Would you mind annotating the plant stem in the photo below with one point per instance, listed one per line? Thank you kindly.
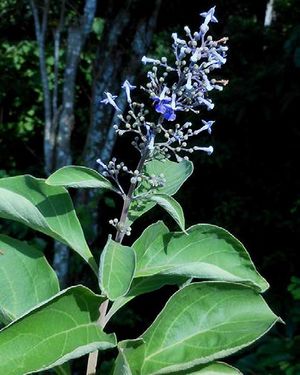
(93, 357)
(127, 200)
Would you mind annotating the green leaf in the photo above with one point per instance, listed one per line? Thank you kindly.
(214, 368)
(200, 323)
(172, 207)
(175, 175)
(26, 278)
(208, 252)
(150, 234)
(117, 267)
(141, 286)
(121, 366)
(75, 176)
(48, 209)
(56, 331)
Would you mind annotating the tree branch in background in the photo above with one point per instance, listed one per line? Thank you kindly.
(59, 118)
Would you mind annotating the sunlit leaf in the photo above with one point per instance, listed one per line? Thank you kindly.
(117, 266)
(56, 331)
(26, 278)
(75, 176)
(200, 323)
(45, 208)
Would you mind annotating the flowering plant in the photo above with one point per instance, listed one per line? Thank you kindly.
(203, 321)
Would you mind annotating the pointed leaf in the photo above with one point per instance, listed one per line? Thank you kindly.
(56, 331)
(76, 176)
(175, 175)
(172, 207)
(117, 266)
(48, 209)
(208, 252)
(200, 323)
(26, 278)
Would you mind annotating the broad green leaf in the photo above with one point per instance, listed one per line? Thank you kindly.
(208, 252)
(175, 175)
(172, 207)
(26, 278)
(75, 176)
(117, 266)
(200, 323)
(48, 209)
(56, 331)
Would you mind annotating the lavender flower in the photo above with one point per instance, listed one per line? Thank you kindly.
(161, 101)
(207, 126)
(209, 16)
(110, 99)
(128, 87)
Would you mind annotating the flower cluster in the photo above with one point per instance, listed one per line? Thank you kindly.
(183, 85)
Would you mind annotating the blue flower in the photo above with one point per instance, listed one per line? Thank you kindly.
(169, 114)
(128, 87)
(206, 126)
(110, 99)
(161, 101)
(209, 16)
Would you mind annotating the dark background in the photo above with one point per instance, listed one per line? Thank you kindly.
(249, 185)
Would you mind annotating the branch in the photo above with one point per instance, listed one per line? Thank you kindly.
(40, 31)
(93, 357)
(57, 35)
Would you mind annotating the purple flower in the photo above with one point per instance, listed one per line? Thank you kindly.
(110, 99)
(206, 126)
(209, 16)
(161, 101)
(128, 87)
(169, 114)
